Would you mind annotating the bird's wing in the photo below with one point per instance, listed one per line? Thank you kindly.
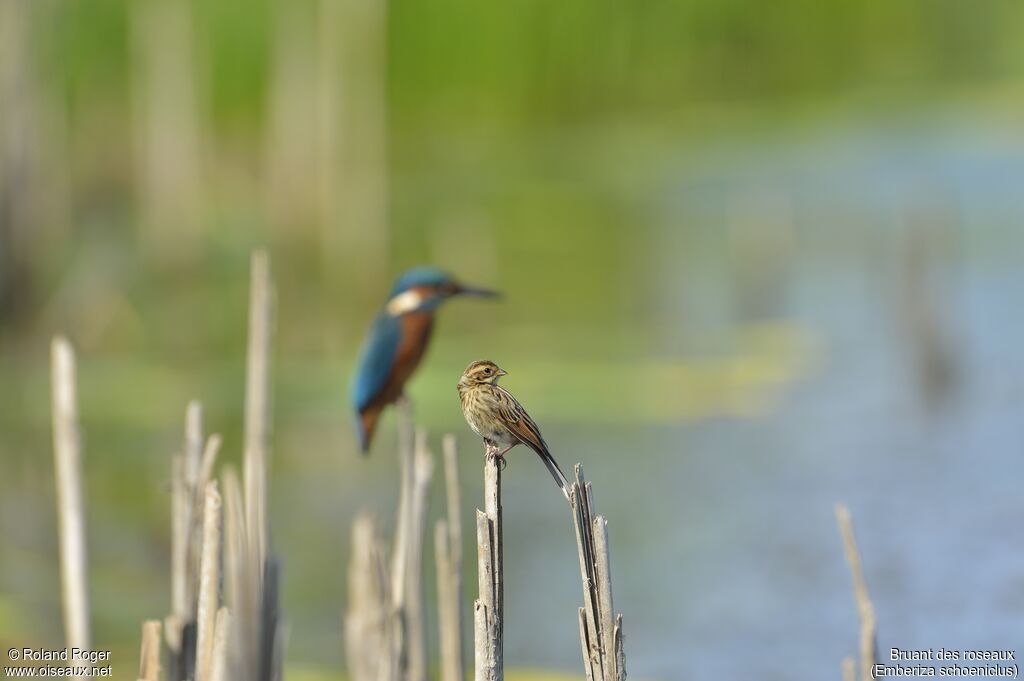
(376, 360)
(518, 422)
(372, 372)
(525, 429)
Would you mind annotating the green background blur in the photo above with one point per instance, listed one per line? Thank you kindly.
(698, 210)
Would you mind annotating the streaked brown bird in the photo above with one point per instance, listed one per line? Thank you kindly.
(499, 419)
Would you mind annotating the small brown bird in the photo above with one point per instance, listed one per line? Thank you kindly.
(499, 419)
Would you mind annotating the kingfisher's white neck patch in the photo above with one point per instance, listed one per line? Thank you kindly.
(406, 301)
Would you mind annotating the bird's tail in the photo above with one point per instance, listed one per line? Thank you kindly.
(366, 423)
(556, 472)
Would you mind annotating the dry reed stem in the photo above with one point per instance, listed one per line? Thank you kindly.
(403, 523)
(368, 601)
(447, 614)
(865, 610)
(233, 512)
(604, 588)
(240, 580)
(193, 454)
(70, 504)
(219, 656)
(271, 650)
(488, 610)
(384, 627)
(209, 583)
(448, 555)
(585, 645)
(186, 546)
(482, 649)
(454, 498)
(193, 505)
(423, 471)
(257, 407)
(209, 460)
(149, 655)
(395, 654)
(175, 623)
(601, 635)
(252, 575)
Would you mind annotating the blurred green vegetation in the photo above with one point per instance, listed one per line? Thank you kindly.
(519, 113)
(530, 63)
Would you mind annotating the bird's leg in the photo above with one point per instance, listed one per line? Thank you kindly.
(501, 456)
(491, 451)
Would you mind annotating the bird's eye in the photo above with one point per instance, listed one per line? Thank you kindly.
(487, 370)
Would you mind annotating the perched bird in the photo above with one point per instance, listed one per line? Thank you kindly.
(397, 341)
(499, 419)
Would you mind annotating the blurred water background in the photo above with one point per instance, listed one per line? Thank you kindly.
(758, 258)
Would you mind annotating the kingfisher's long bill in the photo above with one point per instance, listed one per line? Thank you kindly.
(397, 340)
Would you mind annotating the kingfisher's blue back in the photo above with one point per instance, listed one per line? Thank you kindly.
(375, 359)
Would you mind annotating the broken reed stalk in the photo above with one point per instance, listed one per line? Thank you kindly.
(394, 655)
(369, 601)
(423, 471)
(149, 655)
(219, 656)
(403, 521)
(601, 634)
(257, 405)
(209, 583)
(385, 634)
(256, 653)
(190, 472)
(213, 542)
(448, 557)
(488, 609)
(67, 453)
(239, 579)
(865, 610)
(186, 539)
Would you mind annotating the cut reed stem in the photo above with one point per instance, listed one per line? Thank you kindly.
(369, 601)
(251, 573)
(209, 583)
(257, 406)
(865, 609)
(423, 471)
(448, 555)
(601, 635)
(219, 655)
(70, 504)
(488, 610)
(186, 546)
(149, 655)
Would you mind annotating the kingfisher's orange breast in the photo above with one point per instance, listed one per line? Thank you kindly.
(416, 328)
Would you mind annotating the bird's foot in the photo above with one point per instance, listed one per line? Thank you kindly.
(492, 452)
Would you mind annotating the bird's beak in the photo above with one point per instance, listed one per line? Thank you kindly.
(502, 372)
(461, 290)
